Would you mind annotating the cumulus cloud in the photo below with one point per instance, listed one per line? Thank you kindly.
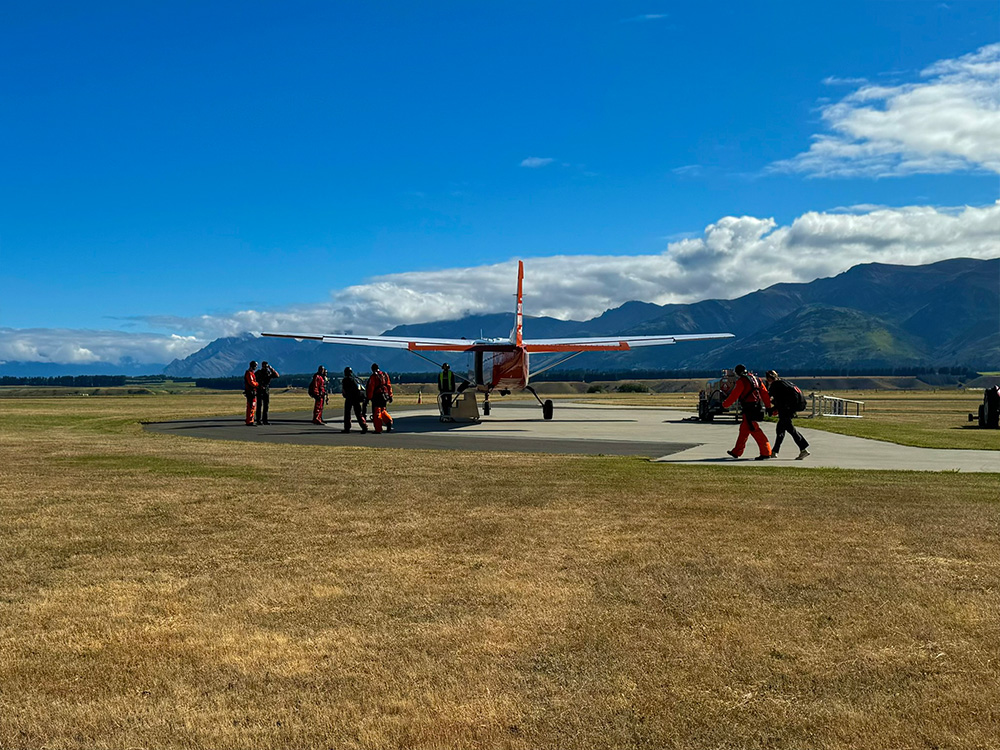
(731, 257)
(535, 162)
(949, 122)
(84, 347)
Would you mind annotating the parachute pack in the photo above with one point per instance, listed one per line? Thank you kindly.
(796, 400)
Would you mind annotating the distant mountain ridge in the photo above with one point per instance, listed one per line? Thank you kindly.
(872, 315)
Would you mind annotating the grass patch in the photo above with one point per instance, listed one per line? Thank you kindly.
(167, 592)
(926, 419)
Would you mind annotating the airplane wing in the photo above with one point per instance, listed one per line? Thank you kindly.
(616, 343)
(392, 342)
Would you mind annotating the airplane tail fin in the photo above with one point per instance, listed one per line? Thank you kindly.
(515, 335)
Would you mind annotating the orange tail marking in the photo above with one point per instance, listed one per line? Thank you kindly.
(519, 321)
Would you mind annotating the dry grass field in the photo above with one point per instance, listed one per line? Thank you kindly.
(164, 592)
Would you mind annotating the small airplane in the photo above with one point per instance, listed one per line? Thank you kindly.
(507, 369)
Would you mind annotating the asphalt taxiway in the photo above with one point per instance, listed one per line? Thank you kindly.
(661, 434)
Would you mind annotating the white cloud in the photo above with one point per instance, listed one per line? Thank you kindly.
(838, 81)
(948, 123)
(731, 257)
(689, 170)
(535, 162)
(644, 17)
(74, 346)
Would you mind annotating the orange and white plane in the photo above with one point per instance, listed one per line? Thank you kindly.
(506, 367)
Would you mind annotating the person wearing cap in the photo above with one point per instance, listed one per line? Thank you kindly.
(250, 391)
(354, 398)
(264, 377)
(783, 399)
(379, 392)
(753, 397)
(317, 389)
(446, 387)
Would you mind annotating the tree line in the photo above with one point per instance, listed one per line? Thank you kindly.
(76, 381)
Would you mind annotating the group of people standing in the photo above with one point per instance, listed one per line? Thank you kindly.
(774, 395)
(377, 391)
(257, 389)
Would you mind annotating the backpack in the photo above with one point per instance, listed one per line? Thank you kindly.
(799, 403)
(792, 398)
(750, 400)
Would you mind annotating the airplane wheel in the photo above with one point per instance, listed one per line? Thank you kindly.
(547, 409)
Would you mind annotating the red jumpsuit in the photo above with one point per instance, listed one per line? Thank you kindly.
(748, 389)
(250, 391)
(317, 389)
(379, 391)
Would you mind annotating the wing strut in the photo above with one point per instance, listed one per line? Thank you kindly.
(553, 364)
(438, 365)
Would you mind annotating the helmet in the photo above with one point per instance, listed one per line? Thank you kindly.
(347, 370)
(740, 369)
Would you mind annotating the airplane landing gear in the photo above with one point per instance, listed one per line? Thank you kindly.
(547, 406)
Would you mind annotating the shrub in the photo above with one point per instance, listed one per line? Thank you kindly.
(633, 388)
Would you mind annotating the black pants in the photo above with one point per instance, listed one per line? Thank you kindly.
(446, 404)
(785, 425)
(359, 412)
(263, 401)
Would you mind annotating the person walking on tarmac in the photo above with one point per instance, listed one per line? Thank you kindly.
(753, 397)
(446, 388)
(354, 398)
(264, 378)
(379, 392)
(250, 391)
(783, 400)
(317, 389)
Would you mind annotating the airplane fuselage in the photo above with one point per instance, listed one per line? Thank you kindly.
(510, 370)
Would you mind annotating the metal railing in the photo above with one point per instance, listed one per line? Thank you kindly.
(834, 406)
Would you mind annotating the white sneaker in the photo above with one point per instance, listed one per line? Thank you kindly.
(802, 454)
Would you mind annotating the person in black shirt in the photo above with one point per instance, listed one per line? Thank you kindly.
(354, 399)
(783, 400)
(264, 377)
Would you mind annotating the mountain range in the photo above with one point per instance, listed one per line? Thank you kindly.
(871, 316)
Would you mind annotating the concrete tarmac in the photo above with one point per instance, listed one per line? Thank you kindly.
(661, 434)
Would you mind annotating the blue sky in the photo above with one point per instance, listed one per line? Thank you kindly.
(171, 172)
